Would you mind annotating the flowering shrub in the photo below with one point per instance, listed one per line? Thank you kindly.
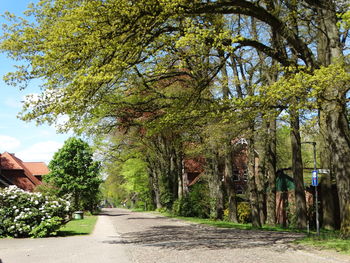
(25, 214)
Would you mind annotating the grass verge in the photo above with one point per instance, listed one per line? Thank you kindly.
(78, 227)
(327, 240)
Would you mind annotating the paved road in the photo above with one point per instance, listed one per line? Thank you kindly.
(86, 249)
(122, 236)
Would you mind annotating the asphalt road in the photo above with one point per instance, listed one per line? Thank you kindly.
(122, 236)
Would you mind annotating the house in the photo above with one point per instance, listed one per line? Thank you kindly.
(194, 168)
(25, 175)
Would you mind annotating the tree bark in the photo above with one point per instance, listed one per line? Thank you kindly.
(156, 190)
(215, 188)
(333, 112)
(252, 187)
(270, 166)
(297, 168)
(228, 174)
(339, 140)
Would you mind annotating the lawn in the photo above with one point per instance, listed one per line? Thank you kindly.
(78, 227)
(329, 240)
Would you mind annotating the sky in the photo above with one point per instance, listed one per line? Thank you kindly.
(29, 142)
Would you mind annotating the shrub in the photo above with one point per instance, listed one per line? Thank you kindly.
(25, 214)
(244, 212)
(226, 212)
(182, 207)
(195, 204)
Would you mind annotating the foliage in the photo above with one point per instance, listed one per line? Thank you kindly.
(284, 156)
(244, 212)
(73, 171)
(127, 181)
(47, 189)
(25, 214)
(194, 204)
(160, 66)
(136, 182)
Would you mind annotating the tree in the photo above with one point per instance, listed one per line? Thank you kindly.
(100, 58)
(73, 171)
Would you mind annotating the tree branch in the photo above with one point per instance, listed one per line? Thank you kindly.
(254, 10)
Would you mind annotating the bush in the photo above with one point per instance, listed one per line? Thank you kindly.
(182, 207)
(195, 204)
(25, 214)
(244, 212)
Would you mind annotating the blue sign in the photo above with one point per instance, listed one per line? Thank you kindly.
(314, 180)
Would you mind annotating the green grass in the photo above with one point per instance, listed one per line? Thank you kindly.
(327, 240)
(78, 227)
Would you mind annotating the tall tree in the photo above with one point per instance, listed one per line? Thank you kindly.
(73, 171)
(93, 56)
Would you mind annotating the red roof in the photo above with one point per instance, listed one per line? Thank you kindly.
(195, 165)
(37, 168)
(8, 161)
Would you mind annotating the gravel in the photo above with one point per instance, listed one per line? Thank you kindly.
(150, 237)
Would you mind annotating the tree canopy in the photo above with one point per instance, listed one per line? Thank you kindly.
(180, 73)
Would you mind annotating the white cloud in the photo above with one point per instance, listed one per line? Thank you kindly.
(8, 143)
(39, 152)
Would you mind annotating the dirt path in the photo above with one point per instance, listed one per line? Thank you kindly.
(153, 238)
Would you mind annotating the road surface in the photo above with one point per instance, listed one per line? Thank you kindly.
(122, 236)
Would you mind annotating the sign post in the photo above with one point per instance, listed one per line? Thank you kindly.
(314, 182)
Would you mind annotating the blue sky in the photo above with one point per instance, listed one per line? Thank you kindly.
(28, 141)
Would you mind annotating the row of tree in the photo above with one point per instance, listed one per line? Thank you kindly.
(181, 78)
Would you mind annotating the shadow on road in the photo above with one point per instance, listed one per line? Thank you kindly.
(199, 236)
(109, 214)
(147, 218)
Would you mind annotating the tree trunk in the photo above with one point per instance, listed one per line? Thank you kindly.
(228, 174)
(215, 188)
(182, 189)
(333, 110)
(339, 140)
(260, 188)
(253, 193)
(297, 168)
(327, 202)
(156, 190)
(270, 167)
(329, 214)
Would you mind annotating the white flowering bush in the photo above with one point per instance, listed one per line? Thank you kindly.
(25, 214)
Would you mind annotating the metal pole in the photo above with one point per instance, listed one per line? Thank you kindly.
(316, 192)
